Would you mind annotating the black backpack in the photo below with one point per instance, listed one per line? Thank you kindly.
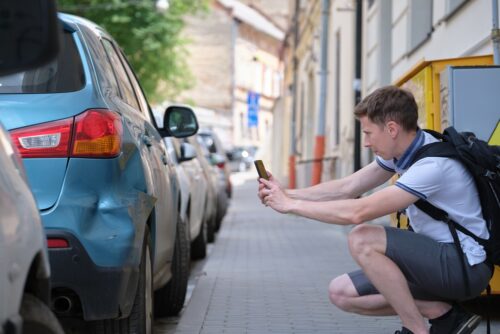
(483, 162)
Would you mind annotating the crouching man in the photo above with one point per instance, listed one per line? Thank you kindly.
(415, 275)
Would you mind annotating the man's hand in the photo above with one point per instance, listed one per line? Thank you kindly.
(271, 194)
(262, 186)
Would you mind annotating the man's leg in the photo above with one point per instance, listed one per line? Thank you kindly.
(367, 244)
(344, 295)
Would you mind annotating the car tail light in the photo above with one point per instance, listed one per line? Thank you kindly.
(57, 243)
(48, 140)
(221, 165)
(98, 133)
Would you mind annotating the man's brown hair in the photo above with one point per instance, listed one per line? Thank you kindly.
(389, 103)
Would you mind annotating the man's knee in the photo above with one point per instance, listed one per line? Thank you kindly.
(341, 291)
(364, 239)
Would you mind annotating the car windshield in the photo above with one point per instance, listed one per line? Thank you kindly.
(65, 74)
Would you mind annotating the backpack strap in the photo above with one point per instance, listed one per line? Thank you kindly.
(444, 149)
(441, 215)
(441, 150)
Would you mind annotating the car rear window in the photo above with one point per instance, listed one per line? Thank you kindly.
(64, 74)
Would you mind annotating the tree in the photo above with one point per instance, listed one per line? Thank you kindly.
(150, 39)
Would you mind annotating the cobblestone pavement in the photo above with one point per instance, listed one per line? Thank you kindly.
(269, 273)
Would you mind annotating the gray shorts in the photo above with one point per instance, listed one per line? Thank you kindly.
(433, 269)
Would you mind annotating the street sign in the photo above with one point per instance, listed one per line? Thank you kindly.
(253, 109)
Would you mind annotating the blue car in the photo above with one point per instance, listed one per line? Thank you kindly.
(106, 190)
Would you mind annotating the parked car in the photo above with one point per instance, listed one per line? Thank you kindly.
(198, 199)
(99, 171)
(241, 158)
(211, 176)
(218, 158)
(194, 190)
(24, 262)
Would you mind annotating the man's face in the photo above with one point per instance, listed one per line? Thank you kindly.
(377, 138)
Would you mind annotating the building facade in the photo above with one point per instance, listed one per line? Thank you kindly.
(234, 57)
(397, 36)
(303, 85)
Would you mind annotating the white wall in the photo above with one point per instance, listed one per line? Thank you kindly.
(465, 33)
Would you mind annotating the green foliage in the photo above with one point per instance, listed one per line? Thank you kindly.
(150, 39)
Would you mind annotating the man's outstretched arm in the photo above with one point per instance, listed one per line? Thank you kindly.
(342, 212)
(351, 186)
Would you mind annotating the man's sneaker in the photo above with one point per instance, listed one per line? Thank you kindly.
(404, 330)
(456, 321)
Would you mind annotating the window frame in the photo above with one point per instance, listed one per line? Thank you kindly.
(124, 96)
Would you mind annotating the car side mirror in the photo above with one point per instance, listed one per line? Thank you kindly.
(29, 33)
(180, 121)
(188, 152)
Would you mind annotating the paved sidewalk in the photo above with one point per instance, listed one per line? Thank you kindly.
(269, 273)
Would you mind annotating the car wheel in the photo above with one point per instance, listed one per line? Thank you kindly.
(169, 300)
(199, 245)
(140, 319)
(211, 227)
(37, 317)
(222, 203)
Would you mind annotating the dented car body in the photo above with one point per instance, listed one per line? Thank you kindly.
(98, 169)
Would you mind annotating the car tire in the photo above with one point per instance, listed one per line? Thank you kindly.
(37, 317)
(140, 319)
(169, 299)
(211, 227)
(199, 244)
(222, 204)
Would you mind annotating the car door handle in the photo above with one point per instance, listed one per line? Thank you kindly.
(147, 140)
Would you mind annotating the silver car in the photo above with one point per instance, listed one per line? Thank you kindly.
(211, 175)
(24, 266)
(218, 159)
(195, 194)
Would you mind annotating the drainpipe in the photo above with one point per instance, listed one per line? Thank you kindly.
(357, 86)
(234, 113)
(293, 143)
(319, 149)
(495, 33)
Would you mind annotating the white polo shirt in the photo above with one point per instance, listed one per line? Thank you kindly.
(446, 184)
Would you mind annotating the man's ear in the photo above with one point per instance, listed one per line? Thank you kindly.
(393, 128)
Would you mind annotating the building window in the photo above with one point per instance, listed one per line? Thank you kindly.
(277, 84)
(338, 81)
(452, 6)
(268, 81)
(242, 125)
(302, 111)
(419, 23)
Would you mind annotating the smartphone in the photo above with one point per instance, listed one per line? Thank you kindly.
(261, 170)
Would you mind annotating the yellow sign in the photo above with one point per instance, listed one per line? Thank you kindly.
(495, 136)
